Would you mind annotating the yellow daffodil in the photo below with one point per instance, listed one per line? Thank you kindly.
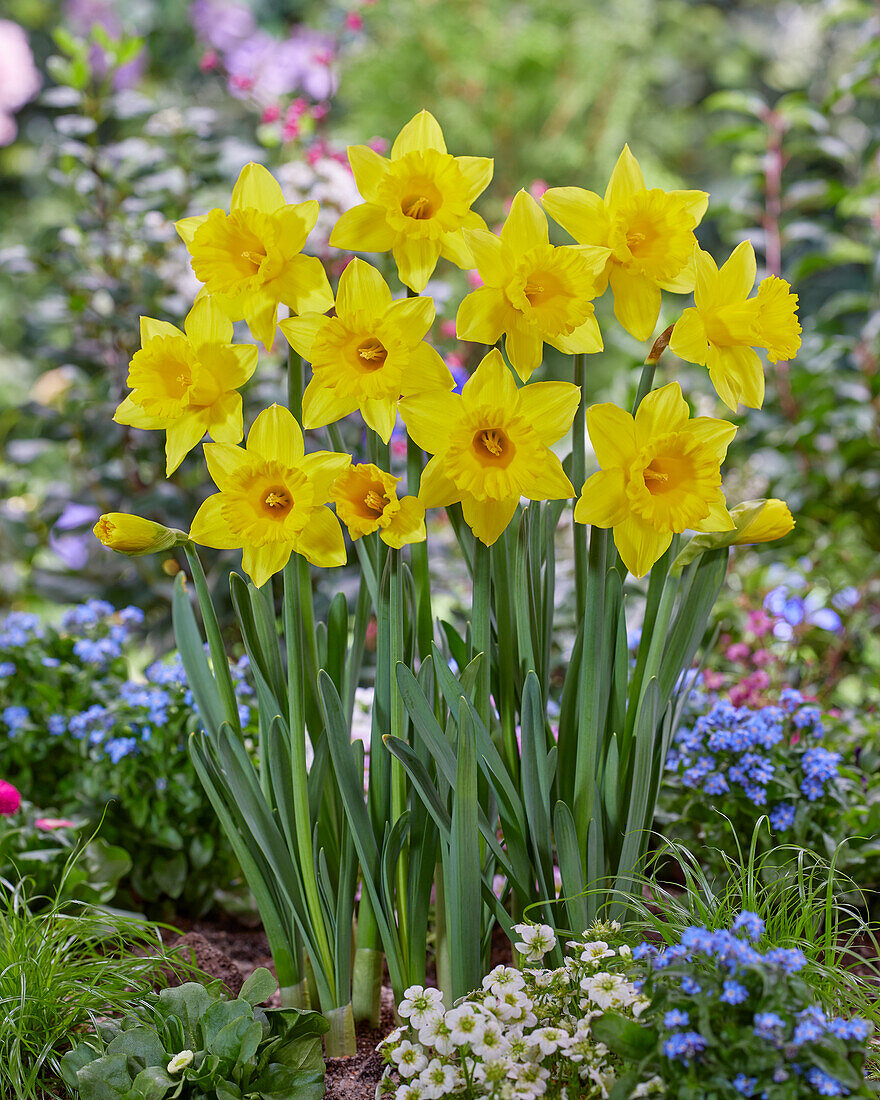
(650, 234)
(417, 202)
(134, 535)
(660, 473)
(187, 382)
(271, 499)
(491, 444)
(366, 500)
(725, 325)
(367, 356)
(754, 521)
(250, 260)
(533, 293)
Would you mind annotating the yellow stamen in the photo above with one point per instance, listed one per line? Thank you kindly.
(375, 502)
(277, 499)
(653, 475)
(493, 441)
(419, 208)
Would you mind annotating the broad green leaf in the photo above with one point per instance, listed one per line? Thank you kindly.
(259, 986)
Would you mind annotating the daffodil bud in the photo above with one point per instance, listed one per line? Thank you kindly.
(755, 521)
(134, 535)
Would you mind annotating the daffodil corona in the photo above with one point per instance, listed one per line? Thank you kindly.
(250, 259)
(187, 382)
(660, 473)
(532, 292)
(272, 498)
(366, 500)
(367, 356)
(649, 234)
(491, 444)
(417, 202)
(725, 325)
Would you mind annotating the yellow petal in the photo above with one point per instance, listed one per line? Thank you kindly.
(421, 132)
(187, 227)
(625, 180)
(488, 518)
(209, 528)
(585, 339)
(483, 316)
(224, 461)
(718, 519)
(580, 213)
(426, 372)
(612, 433)
(491, 384)
(368, 169)
(525, 350)
(206, 323)
(477, 171)
(416, 258)
(407, 526)
(429, 418)
(257, 187)
(150, 328)
(293, 224)
(688, 340)
(549, 482)
(321, 405)
(696, 203)
(381, 415)
(549, 407)
(493, 260)
(275, 435)
(636, 301)
(716, 435)
(603, 501)
(454, 247)
(737, 375)
(663, 410)
(261, 314)
(303, 285)
(134, 416)
(639, 545)
(737, 276)
(321, 541)
(322, 468)
(302, 331)
(262, 562)
(772, 522)
(412, 317)
(361, 287)
(526, 225)
(363, 229)
(182, 436)
(225, 422)
(436, 490)
(706, 294)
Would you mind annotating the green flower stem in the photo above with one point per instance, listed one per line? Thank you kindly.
(295, 384)
(297, 733)
(481, 627)
(366, 982)
(578, 477)
(398, 729)
(415, 462)
(219, 659)
(502, 569)
(295, 995)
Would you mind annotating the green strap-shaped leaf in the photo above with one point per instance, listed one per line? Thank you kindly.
(195, 663)
(463, 878)
(570, 868)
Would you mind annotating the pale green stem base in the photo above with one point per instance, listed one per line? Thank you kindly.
(340, 1040)
(444, 963)
(295, 996)
(366, 985)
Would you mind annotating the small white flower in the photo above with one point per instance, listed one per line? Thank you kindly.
(625, 951)
(605, 990)
(548, 1039)
(466, 1024)
(419, 1004)
(492, 1044)
(412, 1090)
(594, 951)
(409, 1058)
(503, 979)
(437, 1079)
(436, 1033)
(491, 1073)
(179, 1062)
(529, 1080)
(391, 1039)
(535, 940)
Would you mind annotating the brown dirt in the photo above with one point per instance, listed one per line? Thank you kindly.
(356, 1078)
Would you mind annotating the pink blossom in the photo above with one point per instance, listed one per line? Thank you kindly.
(762, 658)
(209, 61)
(19, 79)
(10, 799)
(759, 623)
(320, 110)
(712, 680)
(537, 188)
(291, 130)
(474, 280)
(354, 21)
(271, 113)
(454, 361)
(738, 652)
(48, 824)
(378, 144)
(447, 329)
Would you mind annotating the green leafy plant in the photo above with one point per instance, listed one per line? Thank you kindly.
(192, 1043)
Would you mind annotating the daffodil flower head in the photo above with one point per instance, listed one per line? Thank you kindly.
(187, 382)
(366, 500)
(725, 325)
(533, 292)
(491, 444)
(367, 356)
(417, 201)
(250, 259)
(134, 535)
(754, 521)
(649, 232)
(272, 499)
(660, 473)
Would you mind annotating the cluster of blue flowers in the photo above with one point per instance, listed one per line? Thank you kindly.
(733, 749)
(725, 967)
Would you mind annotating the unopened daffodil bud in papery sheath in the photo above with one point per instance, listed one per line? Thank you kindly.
(134, 535)
(756, 521)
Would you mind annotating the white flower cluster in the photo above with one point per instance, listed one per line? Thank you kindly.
(524, 1034)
